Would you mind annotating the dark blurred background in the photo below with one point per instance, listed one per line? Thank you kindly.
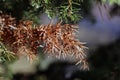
(99, 28)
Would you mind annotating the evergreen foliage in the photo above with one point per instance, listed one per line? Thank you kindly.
(19, 34)
(6, 56)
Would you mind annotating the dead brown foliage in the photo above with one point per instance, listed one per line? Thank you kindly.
(25, 38)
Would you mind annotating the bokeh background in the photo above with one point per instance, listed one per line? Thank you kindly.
(99, 28)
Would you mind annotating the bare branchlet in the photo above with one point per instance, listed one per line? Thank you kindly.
(57, 40)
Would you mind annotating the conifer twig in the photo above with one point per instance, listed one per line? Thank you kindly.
(57, 40)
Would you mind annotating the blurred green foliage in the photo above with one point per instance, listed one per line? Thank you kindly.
(6, 56)
(67, 10)
(112, 1)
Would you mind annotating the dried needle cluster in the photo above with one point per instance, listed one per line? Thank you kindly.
(25, 37)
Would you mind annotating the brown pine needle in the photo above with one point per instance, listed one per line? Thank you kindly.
(57, 40)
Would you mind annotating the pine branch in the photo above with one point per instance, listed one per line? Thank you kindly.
(67, 10)
(57, 40)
